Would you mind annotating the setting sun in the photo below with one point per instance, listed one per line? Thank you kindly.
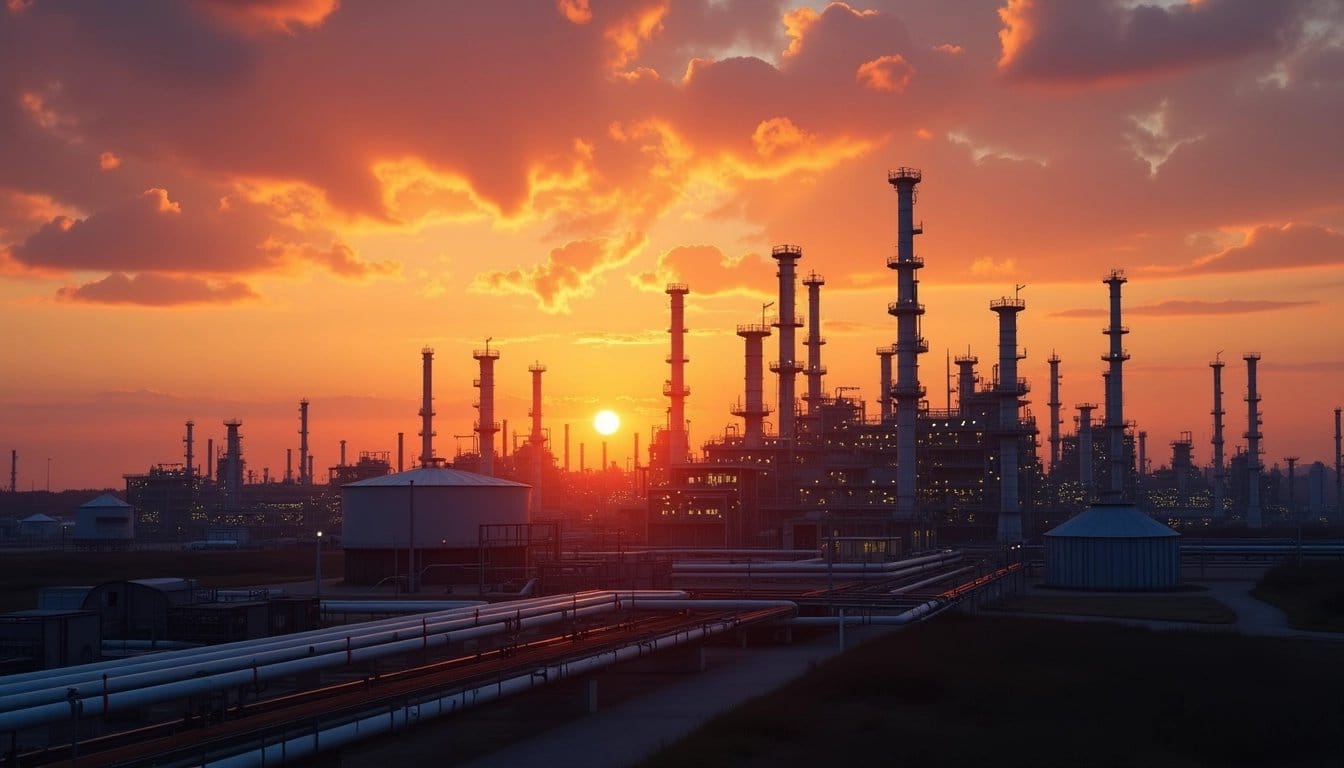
(606, 422)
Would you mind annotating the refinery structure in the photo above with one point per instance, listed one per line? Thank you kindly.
(812, 467)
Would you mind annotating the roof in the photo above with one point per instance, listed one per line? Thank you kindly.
(38, 518)
(106, 501)
(1111, 521)
(436, 477)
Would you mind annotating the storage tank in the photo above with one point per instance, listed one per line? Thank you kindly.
(105, 520)
(437, 512)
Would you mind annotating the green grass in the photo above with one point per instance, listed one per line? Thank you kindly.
(1201, 610)
(1005, 691)
(21, 573)
(1311, 593)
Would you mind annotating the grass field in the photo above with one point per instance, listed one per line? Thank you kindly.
(21, 573)
(1311, 593)
(1200, 610)
(1030, 692)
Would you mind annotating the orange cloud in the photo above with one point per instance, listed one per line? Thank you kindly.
(159, 202)
(151, 290)
(707, 270)
(628, 33)
(886, 73)
(108, 161)
(1277, 247)
(569, 272)
(257, 16)
(576, 11)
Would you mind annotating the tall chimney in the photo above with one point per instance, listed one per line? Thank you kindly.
(1010, 391)
(815, 370)
(14, 469)
(1143, 451)
(1339, 470)
(675, 388)
(581, 467)
(401, 452)
(342, 453)
(1252, 435)
(190, 442)
(1055, 420)
(909, 343)
(427, 408)
(504, 440)
(965, 381)
(566, 447)
(1115, 409)
(1292, 485)
(604, 455)
(1085, 475)
(289, 465)
(311, 461)
(233, 466)
(755, 410)
(787, 365)
(305, 474)
(884, 401)
(210, 458)
(1219, 470)
(535, 438)
(486, 426)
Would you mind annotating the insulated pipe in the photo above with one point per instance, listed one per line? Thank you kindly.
(309, 743)
(930, 561)
(676, 390)
(246, 653)
(909, 344)
(787, 366)
(396, 606)
(1219, 473)
(930, 580)
(914, 614)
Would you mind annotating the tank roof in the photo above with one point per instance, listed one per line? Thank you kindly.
(1111, 521)
(434, 477)
(106, 500)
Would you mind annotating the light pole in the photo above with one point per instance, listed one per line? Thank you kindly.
(317, 571)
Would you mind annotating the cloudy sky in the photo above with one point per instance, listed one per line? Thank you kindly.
(210, 209)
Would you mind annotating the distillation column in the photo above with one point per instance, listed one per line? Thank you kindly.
(427, 409)
(1219, 472)
(815, 370)
(787, 322)
(191, 452)
(1010, 392)
(233, 466)
(305, 474)
(755, 410)
(1085, 475)
(1252, 435)
(1339, 459)
(486, 426)
(884, 355)
(1055, 420)
(909, 343)
(1115, 391)
(675, 388)
(965, 381)
(536, 440)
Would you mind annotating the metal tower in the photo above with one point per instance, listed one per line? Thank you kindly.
(190, 442)
(1115, 408)
(536, 438)
(884, 355)
(909, 343)
(1252, 435)
(427, 409)
(1219, 468)
(233, 466)
(675, 388)
(1085, 474)
(1010, 390)
(815, 370)
(1292, 482)
(1055, 420)
(787, 322)
(305, 474)
(965, 381)
(755, 410)
(486, 426)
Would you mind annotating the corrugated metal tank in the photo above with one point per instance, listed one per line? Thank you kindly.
(1112, 547)
(106, 518)
(448, 505)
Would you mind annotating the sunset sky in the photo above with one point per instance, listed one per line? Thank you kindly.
(210, 209)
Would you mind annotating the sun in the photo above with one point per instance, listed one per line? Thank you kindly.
(606, 422)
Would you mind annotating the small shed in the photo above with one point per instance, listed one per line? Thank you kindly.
(105, 519)
(1112, 547)
(40, 639)
(138, 610)
(39, 527)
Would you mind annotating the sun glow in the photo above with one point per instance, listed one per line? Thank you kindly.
(606, 422)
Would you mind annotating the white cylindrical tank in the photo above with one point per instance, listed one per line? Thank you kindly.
(445, 508)
(105, 518)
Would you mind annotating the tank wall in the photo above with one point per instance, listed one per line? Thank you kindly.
(1115, 564)
(380, 517)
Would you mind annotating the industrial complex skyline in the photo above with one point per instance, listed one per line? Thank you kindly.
(212, 210)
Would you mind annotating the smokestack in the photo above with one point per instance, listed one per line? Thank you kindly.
(1182, 461)
(1143, 451)
(636, 459)
(342, 453)
(535, 438)
(210, 458)
(427, 408)
(1252, 435)
(1010, 392)
(755, 411)
(14, 467)
(787, 365)
(1292, 483)
(305, 466)
(504, 440)
(604, 455)
(401, 451)
(1085, 476)
(581, 467)
(965, 381)
(233, 465)
(566, 447)
(1219, 471)
(1115, 408)
(486, 426)
(311, 461)
(909, 344)
(815, 370)
(1339, 470)
(289, 465)
(675, 388)
(191, 446)
(1055, 419)
(884, 401)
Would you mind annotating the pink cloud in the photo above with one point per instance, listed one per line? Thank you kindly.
(151, 290)
(886, 73)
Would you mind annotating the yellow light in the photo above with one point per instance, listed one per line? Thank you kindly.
(606, 422)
